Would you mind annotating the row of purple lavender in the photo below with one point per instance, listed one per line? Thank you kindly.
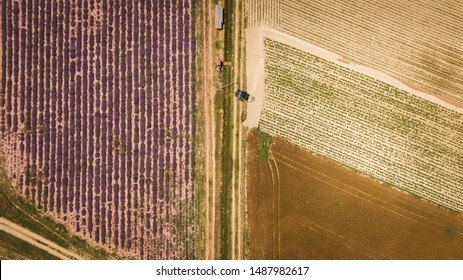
(97, 118)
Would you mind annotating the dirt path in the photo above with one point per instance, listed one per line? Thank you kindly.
(241, 154)
(237, 229)
(37, 240)
(255, 75)
(208, 95)
(209, 90)
(235, 123)
(241, 151)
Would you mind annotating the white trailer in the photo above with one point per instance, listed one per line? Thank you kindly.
(218, 17)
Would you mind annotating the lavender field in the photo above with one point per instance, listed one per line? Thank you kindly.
(96, 118)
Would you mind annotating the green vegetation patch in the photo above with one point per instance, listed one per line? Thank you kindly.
(264, 140)
(450, 232)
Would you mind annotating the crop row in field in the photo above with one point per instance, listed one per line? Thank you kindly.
(96, 118)
(417, 42)
(371, 126)
(263, 12)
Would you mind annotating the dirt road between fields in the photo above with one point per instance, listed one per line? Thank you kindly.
(237, 211)
(210, 143)
(37, 240)
(209, 77)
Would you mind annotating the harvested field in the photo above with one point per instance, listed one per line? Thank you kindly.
(416, 42)
(96, 118)
(302, 206)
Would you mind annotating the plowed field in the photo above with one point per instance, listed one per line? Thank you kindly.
(302, 206)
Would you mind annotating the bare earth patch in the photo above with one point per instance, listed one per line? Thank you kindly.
(304, 206)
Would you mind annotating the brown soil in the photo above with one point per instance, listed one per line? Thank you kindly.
(302, 206)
